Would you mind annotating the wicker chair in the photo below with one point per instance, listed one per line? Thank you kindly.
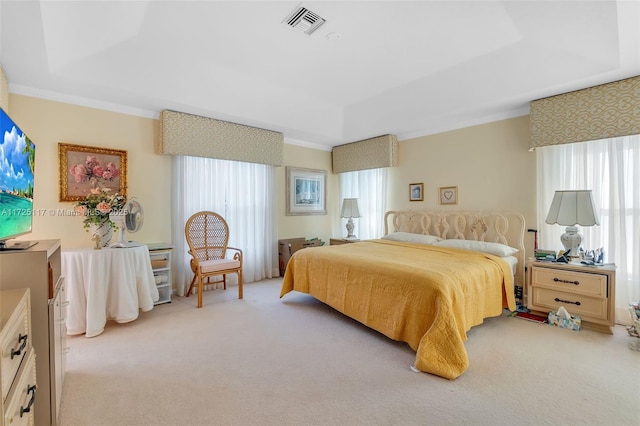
(207, 234)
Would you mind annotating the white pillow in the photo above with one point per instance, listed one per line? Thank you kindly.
(408, 237)
(495, 249)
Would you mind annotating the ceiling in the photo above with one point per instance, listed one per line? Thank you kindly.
(408, 68)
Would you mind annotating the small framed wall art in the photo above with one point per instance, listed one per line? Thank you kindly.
(306, 191)
(449, 195)
(416, 191)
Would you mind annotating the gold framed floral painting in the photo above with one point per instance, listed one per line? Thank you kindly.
(83, 168)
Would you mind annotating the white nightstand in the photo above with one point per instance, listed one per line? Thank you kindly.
(586, 291)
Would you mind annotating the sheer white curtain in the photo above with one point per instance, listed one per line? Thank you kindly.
(370, 188)
(242, 193)
(611, 168)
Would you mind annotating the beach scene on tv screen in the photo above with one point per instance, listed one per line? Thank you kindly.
(17, 157)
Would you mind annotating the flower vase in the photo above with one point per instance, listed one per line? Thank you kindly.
(101, 234)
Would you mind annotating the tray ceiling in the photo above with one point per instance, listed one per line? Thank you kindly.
(408, 68)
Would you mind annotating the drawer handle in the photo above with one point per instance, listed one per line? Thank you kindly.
(567, 301)
(21, 338)
(558, 280)
(30, 389)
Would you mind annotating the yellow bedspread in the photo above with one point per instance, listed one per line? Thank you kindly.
(424, 295)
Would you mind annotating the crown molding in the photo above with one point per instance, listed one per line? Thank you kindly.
(305, 144)
(77, 100)
(476, 121)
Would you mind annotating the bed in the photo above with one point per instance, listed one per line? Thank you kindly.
(432, 277)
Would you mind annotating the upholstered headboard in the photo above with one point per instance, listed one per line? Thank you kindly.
(498, 227)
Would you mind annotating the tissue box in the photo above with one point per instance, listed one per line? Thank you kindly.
(563, 322)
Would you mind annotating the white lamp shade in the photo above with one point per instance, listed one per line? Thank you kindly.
(350, 208)
(570, 208)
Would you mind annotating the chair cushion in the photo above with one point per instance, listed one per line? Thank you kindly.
(213, 265)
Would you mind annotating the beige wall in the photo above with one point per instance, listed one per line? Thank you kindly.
(307, 226)
(149, 174)
(489, 164)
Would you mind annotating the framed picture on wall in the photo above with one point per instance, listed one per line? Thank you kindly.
(449, 195)
(83, 168)
(416, 191)
(306, 191)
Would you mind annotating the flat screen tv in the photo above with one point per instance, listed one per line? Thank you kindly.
(17, 159)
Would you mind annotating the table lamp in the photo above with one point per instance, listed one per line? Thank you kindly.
(570, 208)
(350, 210)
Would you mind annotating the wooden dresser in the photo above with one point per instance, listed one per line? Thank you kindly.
(39, 269)
(586, 291)
(17, 359)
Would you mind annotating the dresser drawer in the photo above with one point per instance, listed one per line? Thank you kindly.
(15, 342)
(20, 402)
(593, 285)
(576, 304)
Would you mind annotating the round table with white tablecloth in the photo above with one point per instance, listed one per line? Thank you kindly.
(107, 284)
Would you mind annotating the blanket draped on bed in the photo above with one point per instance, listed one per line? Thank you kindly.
(426, 296)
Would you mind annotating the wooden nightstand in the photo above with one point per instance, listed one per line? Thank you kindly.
(338, 241)
(586, 291)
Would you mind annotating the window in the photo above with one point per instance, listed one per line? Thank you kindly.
(611, 169)
(244, 194)
(370, 188)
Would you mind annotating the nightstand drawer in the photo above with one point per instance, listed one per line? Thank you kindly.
(586, 291)
(576, 304)
(593, 285)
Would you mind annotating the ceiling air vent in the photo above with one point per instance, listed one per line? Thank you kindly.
(304, 20)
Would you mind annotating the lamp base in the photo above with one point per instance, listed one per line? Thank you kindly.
(350, 228)
(571, 240)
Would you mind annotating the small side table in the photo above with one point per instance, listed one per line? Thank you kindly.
(107, 284)
(160, 255)
(587, 291)
(338, 241)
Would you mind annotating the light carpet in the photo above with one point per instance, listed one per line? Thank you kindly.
(294, 361)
